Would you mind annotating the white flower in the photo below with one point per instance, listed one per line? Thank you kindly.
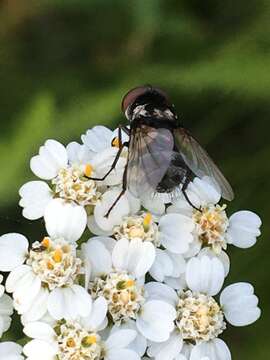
(201, 319)
(121, 209)
(205, 274)
(169, 268)
(6, 310)
(212, 227)
(140, 226)
(65, 220)
(44, 278)
(79, 339)
(100, 138)
(244, 228)
(168, 265)
(215, 349)
(10, 351)
(117, 275)
(68, 171)
(139, 344)
(239, 304)
(176, 232)
(79, 154)
(104, 143)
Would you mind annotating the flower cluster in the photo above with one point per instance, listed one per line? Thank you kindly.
(144, 285)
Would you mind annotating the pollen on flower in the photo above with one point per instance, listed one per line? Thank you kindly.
(45, 242)
(212, 223)
(130, 283)
(124, 296)
(199, 317)
(56, 265)
(72, 183)
(138, 226)
(147, 220)
(57, 255)
(116, 142)
(77, 343)
(88, 170)
(89, 340)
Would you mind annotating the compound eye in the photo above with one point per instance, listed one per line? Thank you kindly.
(132, 95)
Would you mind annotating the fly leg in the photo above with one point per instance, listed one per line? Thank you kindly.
(184, 188)
(117, 157)
(125, 129)
(124, 188)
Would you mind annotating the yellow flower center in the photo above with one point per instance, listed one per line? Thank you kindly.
(55, 262)
(116, 142)
(199, 317)
(89, 340)
(45, 242)
(88, 170)
(212, 223)
(77, 343)
(138, 226)
(123, 294)
(58, 255)
(70, 342)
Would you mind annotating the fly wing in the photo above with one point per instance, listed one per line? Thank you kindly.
(198, 160)
(150, 153)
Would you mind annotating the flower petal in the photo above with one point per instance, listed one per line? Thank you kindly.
(139, 344)
(167, 350)
(120, 339)
(13, 251)
(223, 257)
(10, 351)
(52, 157)
(240, 304)
(205, 275)
(97, 316)
(39, 330)
(96, 257)
(40, 349)
(212, 350)
(244, 228)
(65, 220)
(162, 266)
(69, 303)
(120, 209)
(206, 189)
(35, 196)
(38, 308)
(78, 154)
(176, 232)
(98, 138)
(135, 256)
(159, 291)
(102, 164)
(156, 321)
(121, 354)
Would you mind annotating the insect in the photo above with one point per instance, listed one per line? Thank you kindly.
(162, 155)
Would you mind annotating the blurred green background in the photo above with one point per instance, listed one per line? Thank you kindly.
(65, 64)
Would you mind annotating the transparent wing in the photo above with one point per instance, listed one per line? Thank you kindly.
(150, 153)
(200, 162)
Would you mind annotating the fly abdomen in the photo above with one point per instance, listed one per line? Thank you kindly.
(176, 174)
